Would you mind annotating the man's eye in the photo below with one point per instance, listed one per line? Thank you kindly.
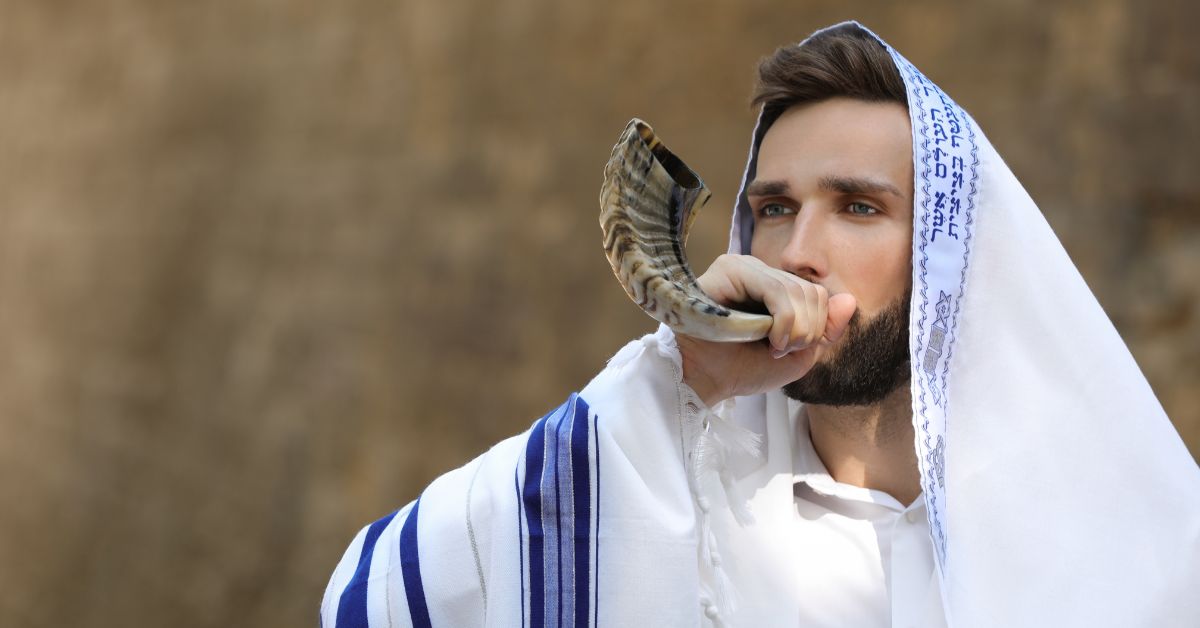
(860, 209)
(774, 209)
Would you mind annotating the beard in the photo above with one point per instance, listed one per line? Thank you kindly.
(871, 363)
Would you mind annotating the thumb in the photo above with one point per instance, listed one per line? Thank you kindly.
(841, 307)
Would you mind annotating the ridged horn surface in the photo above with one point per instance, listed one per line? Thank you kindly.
(647, 204)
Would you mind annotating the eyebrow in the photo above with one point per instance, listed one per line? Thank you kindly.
(829, 183)
(767, 188)
(858, 185)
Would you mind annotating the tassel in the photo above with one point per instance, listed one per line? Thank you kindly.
(705, 546)
(725, 439)
(710, 455)
(724, 595)
(710, 608)
(736, 438)
(715, 440)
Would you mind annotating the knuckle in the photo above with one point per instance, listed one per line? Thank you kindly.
(797, 288)
(807, 294)
(785, 318)
(809, 329)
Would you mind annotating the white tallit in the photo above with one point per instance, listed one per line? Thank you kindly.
(1058, 492)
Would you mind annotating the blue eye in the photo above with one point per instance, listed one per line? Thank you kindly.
(861, 209)
(774, 209)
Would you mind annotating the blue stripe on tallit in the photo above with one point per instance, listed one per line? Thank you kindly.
(550, 520)
(553, 572)
(352, 606)
(564, 508)
(582, 491)
(556, 499)
(532, 499)
(596, 533)
(410, 567)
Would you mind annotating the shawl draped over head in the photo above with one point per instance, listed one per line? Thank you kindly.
(1058, 492)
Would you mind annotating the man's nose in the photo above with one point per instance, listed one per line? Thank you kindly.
(804, 253)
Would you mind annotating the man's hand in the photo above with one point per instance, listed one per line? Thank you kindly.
(805, 318)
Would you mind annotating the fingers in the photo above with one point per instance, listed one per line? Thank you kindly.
(736, 279)
(784, 316)
(806, 323)
(793, 304)
(802, 311)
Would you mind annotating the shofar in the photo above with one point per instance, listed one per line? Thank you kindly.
(647, 205)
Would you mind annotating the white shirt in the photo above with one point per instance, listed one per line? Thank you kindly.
(870, 557)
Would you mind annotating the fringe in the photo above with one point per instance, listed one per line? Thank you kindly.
(718, 440)
(714, 440)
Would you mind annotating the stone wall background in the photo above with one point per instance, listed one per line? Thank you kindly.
(267, 268)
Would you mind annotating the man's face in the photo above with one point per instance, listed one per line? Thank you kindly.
(832, 203)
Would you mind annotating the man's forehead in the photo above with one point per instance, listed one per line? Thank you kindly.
(840, 145)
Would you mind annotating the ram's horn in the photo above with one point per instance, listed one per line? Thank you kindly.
(647, 205)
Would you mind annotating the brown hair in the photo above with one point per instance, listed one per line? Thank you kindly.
(844, 61)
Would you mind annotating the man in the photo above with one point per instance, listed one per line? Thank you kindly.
(917, 298)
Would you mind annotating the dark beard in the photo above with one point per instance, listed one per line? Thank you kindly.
(871, 362)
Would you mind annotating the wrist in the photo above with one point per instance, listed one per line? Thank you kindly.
(695, 377)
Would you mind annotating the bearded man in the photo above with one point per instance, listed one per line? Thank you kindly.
(942, 427)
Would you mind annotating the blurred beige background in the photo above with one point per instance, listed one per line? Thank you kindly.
(268, 267)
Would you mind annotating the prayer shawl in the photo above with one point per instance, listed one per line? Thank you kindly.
(1057, 490)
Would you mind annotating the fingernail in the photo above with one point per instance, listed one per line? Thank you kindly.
(776, 353)
(783, 346)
